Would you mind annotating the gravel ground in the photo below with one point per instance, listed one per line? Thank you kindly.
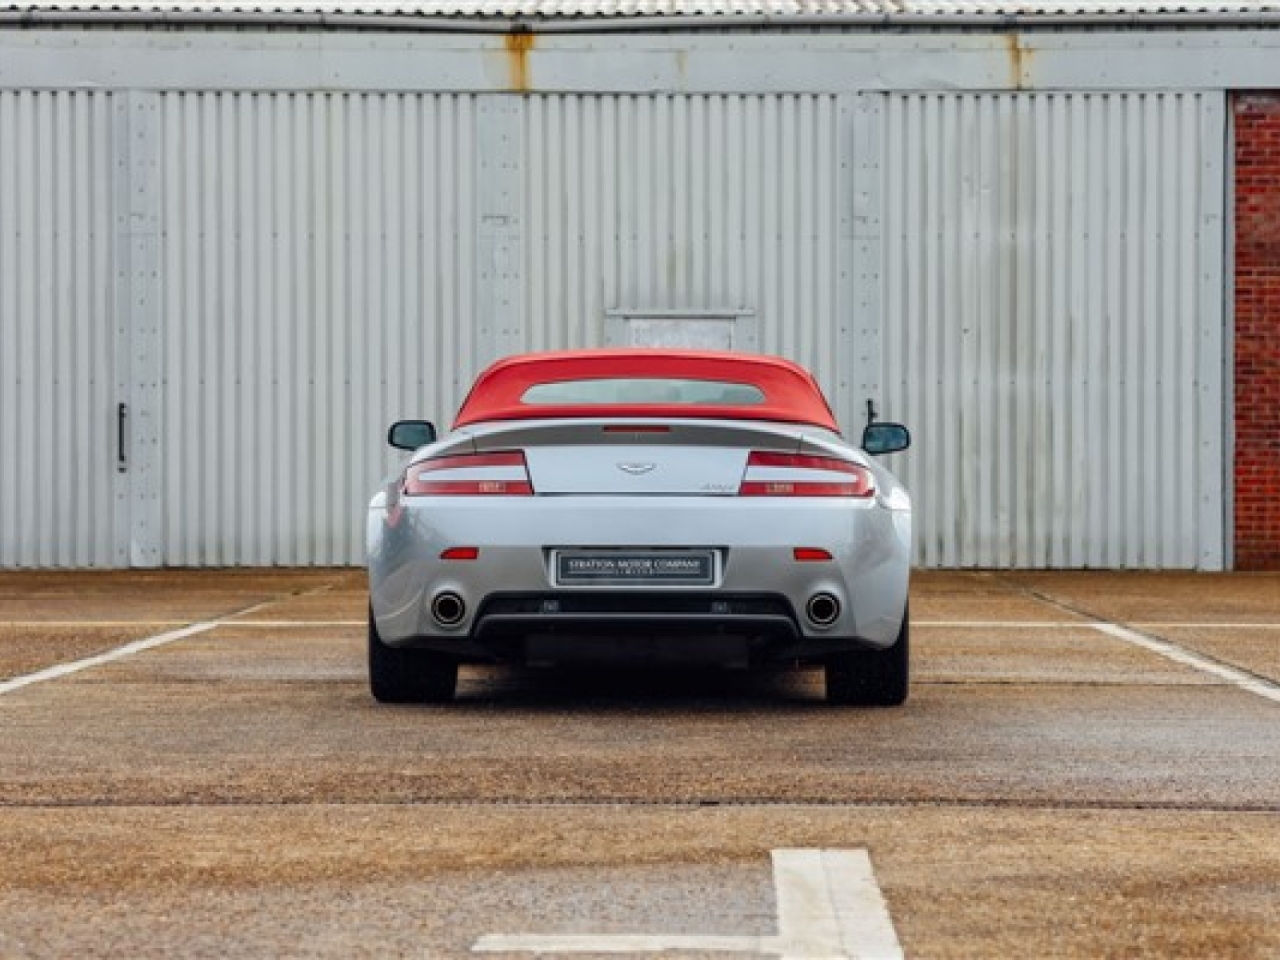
(1048, 791)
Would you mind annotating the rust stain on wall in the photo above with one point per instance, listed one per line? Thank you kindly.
(1020, 62)
(518, 46)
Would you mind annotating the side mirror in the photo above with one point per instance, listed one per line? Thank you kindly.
(411, 434)
(881, 438)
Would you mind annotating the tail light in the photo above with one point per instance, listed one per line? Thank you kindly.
(469, 475)
(801, 475)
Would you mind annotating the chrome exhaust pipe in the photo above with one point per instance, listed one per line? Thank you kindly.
(822, 609)
(448, 609)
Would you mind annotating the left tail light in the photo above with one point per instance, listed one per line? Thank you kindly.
(502, 474)
(799, 475)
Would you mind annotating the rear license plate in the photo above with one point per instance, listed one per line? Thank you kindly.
(684, 568)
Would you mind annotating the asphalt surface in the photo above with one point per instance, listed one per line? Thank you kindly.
(1088, 766)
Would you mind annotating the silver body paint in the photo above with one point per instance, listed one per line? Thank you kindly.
(640, 491)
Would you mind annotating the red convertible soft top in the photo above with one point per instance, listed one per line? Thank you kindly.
(783, 391)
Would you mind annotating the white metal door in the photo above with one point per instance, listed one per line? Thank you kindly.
(63, 495)
(1053, 325)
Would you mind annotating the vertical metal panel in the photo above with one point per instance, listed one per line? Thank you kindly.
(318, 264)
(58, 476)
(499, 264)
(861, 264)
(1052, 326)
(137, 279)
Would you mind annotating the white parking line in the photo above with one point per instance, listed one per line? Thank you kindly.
(829, 905)
(829, 908)
(1193, 625)
(642, 943)
(119, 653)
(224, 622)
(1004, 624)
(73, 624)
(1068, 624)
(295, 623)
(1171, 651)
(940, 624)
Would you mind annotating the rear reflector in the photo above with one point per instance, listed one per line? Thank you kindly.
(810, 554)
(461, 553)
(469, 475)
(801, 475)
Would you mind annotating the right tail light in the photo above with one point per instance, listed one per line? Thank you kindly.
(801, 475)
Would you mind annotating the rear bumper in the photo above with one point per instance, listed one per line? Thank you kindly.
(754, 542)
(553, 628)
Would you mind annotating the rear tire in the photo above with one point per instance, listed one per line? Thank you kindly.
(409, 676)
(872, 678)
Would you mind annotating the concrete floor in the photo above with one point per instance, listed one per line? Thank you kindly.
(1088, 766)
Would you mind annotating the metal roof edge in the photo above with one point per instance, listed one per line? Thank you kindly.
(596, 23)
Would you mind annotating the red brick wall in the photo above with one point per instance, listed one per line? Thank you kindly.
(1257, 335)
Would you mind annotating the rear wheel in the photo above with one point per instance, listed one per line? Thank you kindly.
(871, 678)
(408, 676)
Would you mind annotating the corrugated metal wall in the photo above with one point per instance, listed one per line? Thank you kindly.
(1032, 281)
(1053, 326)
(58, 336)
(318, 266)
(688, 203)
(334, 261)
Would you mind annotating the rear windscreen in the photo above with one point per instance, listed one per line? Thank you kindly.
(643, 391)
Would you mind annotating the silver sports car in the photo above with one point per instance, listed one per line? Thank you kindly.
(641, 506)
